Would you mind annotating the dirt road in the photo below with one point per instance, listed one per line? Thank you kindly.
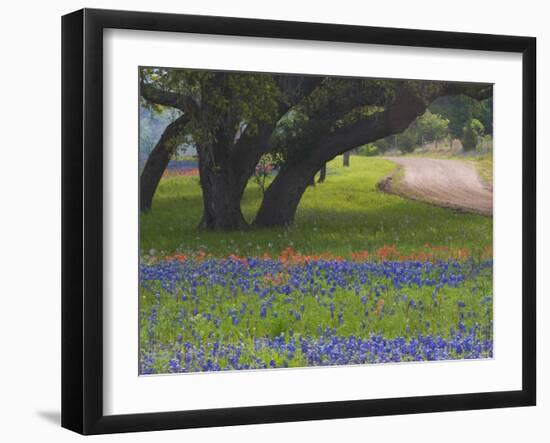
(449, 183)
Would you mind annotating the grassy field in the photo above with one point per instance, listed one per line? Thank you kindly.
(345, 214)
(352, 282)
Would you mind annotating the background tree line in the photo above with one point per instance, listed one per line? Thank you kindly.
(449, 117)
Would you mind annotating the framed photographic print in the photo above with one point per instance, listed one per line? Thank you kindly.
(270, 221)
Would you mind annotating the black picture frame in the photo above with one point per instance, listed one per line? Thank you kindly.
(82, 218)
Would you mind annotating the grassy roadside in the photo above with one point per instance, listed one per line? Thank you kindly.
(484, 166)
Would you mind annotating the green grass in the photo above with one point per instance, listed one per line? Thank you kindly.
(484, 166)
(346, 213)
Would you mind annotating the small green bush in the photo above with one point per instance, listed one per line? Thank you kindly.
(368, 150)
(471, 133)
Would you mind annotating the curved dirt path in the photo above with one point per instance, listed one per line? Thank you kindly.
(448, 183)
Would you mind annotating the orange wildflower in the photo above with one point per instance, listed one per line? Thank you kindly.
(379, 307)
(387, 252)
(360, 256)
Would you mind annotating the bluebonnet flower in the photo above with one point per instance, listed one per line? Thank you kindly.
(302, 290)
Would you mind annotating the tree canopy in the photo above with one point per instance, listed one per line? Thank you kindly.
(460, 109)
(304, 121)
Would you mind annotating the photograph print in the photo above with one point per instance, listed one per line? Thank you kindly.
(294, 221)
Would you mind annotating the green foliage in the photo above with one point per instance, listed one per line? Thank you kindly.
(459, 109)
(225, 101)
(368, 150)
(431, 127)
(483, 111)
(293, 132)
(346, 214)
(471, 133)
(339, 103)
(428, 127)
(343, 102)
(229, 104)
(265, 167)
(386, 144)
(336, 103)
(407, 140)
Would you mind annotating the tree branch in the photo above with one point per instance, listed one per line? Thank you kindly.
(158, 161)
(182, 102)
(406, 107)
(477, 91)
(174, 129)
(250, 147)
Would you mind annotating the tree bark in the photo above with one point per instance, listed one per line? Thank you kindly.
(346, 159)
(158, 161)
(222, 190)
(281, 199)
(183, 102)
(322, 174)
(221, 196)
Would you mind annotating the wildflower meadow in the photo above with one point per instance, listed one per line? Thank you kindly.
(291, 221)
(220, 302)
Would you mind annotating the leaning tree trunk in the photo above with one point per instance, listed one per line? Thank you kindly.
(281, 199)
(158, 161)
(346, 158)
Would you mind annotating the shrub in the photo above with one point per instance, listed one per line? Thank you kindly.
(368, 150)
(407, 140)
(471, 133)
